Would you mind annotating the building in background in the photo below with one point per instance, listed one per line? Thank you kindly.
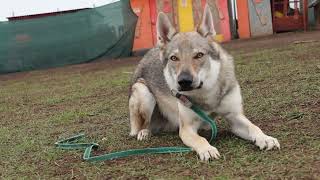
(185, 15)
(289, 15)
(232, 18)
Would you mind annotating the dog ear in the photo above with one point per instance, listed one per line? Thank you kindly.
(165, 30)
(206, 27)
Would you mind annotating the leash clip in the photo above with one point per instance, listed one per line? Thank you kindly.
(185, 101)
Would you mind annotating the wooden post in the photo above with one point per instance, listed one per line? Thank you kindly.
(285, 7)
(305, 15)
(317, 15)
(153, 20)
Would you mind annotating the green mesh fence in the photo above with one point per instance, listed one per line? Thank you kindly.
(72, 38)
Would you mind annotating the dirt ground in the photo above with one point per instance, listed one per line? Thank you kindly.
(244, 45)
(280, 83)
(272, 41)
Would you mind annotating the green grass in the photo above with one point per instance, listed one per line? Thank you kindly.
(281, 91)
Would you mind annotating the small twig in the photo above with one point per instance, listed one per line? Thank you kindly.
(306, 41)
(72, 174)
(56, 164)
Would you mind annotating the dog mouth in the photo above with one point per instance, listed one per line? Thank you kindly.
(190, 88)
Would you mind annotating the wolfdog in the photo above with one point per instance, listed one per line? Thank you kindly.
(193, 64)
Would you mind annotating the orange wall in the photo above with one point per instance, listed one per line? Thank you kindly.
(144, 34)
(243, 19)
(220, 14)
(146, 10)
(225, 24)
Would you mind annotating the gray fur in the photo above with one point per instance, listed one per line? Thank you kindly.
(198, 67)
(151, 69)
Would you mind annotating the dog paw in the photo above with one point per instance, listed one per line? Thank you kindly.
(143, 134)
(133, 133)
(208, 153)
(266, 142)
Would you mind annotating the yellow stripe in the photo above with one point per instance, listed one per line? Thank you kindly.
(185, 15)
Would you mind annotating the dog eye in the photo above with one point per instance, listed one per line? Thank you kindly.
(174, 58)
(199, 55)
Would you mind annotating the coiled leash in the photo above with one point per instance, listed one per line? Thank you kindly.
(71, 142)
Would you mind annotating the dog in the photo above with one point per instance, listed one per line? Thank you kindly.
(193, 64)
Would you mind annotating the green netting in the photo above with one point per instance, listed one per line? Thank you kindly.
(83, 36)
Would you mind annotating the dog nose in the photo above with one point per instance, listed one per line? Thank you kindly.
(185, 80)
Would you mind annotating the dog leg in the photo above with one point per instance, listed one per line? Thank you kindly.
(141, 105)
(245, 129)
(231, 109)
(189, 124)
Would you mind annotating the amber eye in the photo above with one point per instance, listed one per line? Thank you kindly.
(174, 58)
(199, 55)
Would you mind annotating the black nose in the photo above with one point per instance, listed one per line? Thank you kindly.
(185, 81)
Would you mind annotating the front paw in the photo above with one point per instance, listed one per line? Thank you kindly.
(266, 142)
(143, 134)
(207, 153)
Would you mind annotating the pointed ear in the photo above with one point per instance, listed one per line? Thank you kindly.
(165, 30)
(206, 26)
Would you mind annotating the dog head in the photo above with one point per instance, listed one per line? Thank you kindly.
(188, 57)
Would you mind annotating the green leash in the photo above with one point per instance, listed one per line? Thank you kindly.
(71, 142)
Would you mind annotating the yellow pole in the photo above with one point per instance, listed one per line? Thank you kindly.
(186, 23)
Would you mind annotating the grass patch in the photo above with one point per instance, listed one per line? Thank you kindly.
(280, 87)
